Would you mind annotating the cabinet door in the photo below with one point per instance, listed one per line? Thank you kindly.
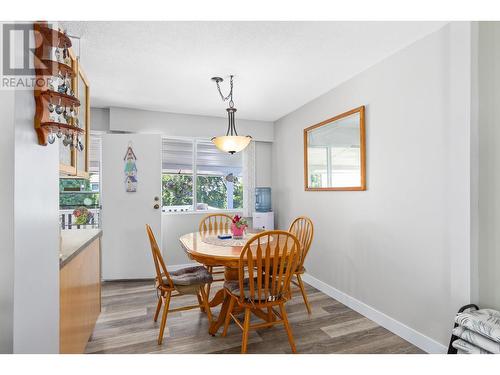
(83, 92)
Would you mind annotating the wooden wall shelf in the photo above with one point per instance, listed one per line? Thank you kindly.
(52, 68)
(73, 161)
(62, 126)
(66, 100)
(53, 38)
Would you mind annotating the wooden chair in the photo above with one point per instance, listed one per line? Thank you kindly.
(189, 280)
(215, 224)
(303, 228)
(269, 259)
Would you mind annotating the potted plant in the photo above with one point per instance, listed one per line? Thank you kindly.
(238, 227)
(82, 216)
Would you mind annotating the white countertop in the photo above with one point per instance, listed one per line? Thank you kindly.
(75, 240)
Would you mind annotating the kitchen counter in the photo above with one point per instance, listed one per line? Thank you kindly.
(73, 241)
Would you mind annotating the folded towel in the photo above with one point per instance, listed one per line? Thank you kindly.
(484, 321)
(460, 351)
(467, 348)
(477, 339)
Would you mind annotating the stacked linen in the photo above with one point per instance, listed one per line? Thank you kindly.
(478, 332)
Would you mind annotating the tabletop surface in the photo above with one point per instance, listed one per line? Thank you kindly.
(208, 253)
(193, 244)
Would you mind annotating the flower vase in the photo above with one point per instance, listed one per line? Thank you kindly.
(238, 232)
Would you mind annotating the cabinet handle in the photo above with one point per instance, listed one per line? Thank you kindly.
(156, 206)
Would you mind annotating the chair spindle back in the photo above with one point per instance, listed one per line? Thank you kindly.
(216, 223)
(270, 259)
(161, 269)
(302, 227)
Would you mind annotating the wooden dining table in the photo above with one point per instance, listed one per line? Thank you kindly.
(216, 255)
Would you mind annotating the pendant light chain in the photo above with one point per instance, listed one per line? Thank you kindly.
(230, 95)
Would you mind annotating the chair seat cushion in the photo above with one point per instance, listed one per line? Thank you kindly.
(190, 276)
(233, 286)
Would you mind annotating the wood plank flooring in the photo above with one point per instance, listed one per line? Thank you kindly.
(126, 326)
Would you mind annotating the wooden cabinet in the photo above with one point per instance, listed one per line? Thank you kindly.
(73, 162)
(80, 298)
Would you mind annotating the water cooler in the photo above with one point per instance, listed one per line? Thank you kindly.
(263, 216)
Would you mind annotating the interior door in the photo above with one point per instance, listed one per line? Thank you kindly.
(131, 198)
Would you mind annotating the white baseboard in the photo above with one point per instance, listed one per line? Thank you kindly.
(409, 334)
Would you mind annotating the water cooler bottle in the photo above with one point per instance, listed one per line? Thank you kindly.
(263, 217)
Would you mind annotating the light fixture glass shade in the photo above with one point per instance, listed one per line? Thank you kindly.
(231, 143)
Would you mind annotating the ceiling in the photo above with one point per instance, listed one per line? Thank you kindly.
(278, 66)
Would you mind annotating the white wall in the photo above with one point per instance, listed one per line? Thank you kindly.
(6, 222)
(99, 118)
(36, 283)
(489, 160)
(263, 164)
(402, 247)
(175, 124)
(31, 239)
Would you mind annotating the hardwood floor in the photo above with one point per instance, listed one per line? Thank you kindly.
(126, 326)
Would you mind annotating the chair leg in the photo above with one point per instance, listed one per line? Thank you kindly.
(158, 308)
(164, 318)
(287, 327)
(200, 302)
(270, 315)
(228, 316)
(210, 270)
(303, 291)
(246, 328)
(208, 290)
(204, 299)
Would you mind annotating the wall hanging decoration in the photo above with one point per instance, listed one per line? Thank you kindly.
(231, 142)
(55, 92)
(62, 99)
(130, 170)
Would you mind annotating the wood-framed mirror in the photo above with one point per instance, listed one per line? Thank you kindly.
(334, 153)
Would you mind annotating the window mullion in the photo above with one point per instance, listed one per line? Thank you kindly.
(195, 175)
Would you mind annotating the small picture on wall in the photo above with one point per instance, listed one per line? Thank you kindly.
(130, 170)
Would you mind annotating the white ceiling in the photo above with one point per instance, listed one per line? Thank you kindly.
(278, 66)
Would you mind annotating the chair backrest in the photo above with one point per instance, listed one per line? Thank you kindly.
(302, 227)
(216, 223)
(161, 269)
(270, 259)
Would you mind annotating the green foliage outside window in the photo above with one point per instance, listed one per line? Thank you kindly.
(84, 197)
(212, 190)
(177, 190)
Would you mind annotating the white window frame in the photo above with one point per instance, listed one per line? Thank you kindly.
(194, 211)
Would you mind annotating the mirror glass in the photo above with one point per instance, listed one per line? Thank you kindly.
(334, 153)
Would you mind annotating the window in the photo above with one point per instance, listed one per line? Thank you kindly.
(197, 176)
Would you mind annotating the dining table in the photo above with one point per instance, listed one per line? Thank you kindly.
(210, 250)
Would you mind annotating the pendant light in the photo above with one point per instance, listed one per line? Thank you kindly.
(231, 142)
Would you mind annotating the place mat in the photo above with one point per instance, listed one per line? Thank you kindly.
(214, 240)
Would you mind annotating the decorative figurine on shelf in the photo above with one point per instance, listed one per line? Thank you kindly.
(238, 227)
(130, 170)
